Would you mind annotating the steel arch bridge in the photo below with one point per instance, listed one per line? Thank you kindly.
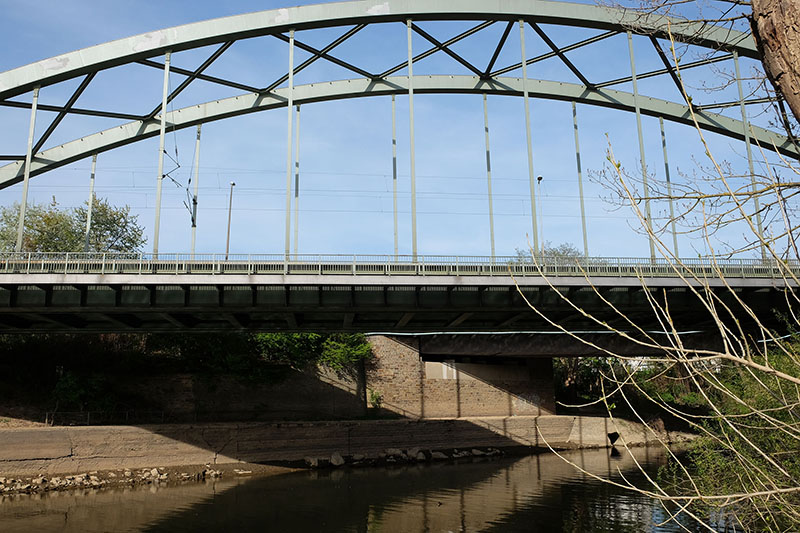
(154, 50)
(100, 292)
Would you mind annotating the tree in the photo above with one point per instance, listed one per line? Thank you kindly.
(742, 398)
(49, 228)
(776, 30)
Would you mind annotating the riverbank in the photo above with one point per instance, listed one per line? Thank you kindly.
(62, 451)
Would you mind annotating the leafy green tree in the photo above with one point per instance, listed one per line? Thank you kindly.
(49, 228)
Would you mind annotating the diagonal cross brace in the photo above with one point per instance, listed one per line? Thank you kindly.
(670, 69)
(548, 55)
(433, 50)
(561, 55)
(189, 79)
(204, 77)
(325, 55)
(63, 113)
(503, 38)
(444, 48)
(659, 72)
(72, 111)
(342, 38)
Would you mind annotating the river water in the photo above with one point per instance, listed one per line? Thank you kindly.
(506, 494)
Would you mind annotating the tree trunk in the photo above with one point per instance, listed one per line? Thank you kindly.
(776, 29)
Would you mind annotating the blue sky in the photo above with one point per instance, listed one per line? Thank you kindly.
(345, 147)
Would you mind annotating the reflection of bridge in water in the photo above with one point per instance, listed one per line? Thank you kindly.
(112, 292)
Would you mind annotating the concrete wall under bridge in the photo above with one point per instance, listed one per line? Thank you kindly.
(416, 386)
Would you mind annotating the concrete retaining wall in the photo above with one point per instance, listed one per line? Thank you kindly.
(63, 450)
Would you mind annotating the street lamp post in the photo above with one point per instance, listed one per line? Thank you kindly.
(230, 205)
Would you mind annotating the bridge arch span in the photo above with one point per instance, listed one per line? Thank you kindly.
(151, 44)
(360, 88)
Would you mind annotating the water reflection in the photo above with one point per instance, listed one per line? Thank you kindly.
(535, 493)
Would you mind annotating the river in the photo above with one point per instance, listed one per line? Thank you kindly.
(506, 494)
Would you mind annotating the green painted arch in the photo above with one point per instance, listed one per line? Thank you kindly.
(132, 132)
(92, 59)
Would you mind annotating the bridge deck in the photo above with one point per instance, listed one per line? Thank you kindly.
(107, 292)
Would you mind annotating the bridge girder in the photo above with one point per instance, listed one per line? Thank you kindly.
(359, 88)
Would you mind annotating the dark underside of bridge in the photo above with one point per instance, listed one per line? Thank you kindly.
(360, 308)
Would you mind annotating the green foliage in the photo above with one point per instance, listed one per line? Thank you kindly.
(49, 228)
(669, 385)
(580, 377)
(740, 450)
(342, 351)
(297, 350)
(83, 392)
(375, 399)
(114, 229)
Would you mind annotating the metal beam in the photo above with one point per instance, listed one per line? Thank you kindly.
(63, 113)
(90, 204)
(637, 109)
(580, 179)
(191, 77)
(488, 173)
(557, 51)
(669, 187)
(139, 47)
(525, 98)
(746, 131)
(668, 66)
(411, 150)
(735, 103)
(204, 77)
(27, 172)
(283, 79)
(296, 180)
(162, 130)
(324, 55)
(430, 51)
(498, 49)
(73, 111)
(394, 174)
(289, 103)
(659, 72)
(125, 134)
(548, 55)
(444, 48)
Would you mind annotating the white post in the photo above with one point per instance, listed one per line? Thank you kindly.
(289, 106)
(196, 186)
(27, 175)
(91, 204)
(411, 146)
(488, 173)
(162, 134)
(531, 178)
(394, 175)
(297, 180)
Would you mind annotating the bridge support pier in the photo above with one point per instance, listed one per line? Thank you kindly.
(419, 385)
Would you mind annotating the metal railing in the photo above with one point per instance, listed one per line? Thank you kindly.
(384, 265)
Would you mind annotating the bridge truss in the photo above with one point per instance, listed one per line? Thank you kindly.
(155, 50)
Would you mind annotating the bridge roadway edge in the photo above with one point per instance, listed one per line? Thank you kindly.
(384, 280)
